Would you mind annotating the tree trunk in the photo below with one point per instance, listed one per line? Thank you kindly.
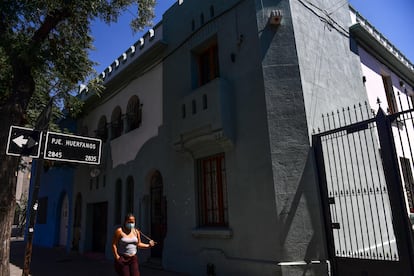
(6, 216)
(8, 168)
(11, 113)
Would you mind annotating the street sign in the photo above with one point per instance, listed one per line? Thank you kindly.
(24, 141)
(72, 148)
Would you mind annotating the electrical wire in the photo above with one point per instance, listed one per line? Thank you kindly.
(325, 17)
(316, 76)
(334, 8)
(330, 23)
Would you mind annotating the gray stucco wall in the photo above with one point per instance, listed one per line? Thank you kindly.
(252, 247)
(274, 83)
(308, 70)
(271, 80)
(297, 201)
(330, 71)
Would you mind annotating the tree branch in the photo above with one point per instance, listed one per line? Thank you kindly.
(3, 31)
(50, 23)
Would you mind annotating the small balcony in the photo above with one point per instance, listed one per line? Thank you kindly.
(205, 118)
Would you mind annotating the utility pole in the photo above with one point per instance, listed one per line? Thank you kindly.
(42, 124)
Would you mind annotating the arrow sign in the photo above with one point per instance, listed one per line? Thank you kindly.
(24, 141)
(20, 141)
(31, 143)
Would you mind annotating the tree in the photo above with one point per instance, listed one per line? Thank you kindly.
(44, 47)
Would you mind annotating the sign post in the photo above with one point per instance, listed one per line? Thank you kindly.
(58, 146)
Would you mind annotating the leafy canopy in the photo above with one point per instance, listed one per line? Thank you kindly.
(47, 42)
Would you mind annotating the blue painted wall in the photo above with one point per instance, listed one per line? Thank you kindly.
(55, 184)
(56, 181)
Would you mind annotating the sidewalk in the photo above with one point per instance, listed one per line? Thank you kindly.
(56, 261)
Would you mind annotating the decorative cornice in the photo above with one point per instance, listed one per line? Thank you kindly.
(132, 53)
(370, 37)
(135, 53)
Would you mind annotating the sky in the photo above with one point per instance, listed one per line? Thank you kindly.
(392, 18)
(113, 40)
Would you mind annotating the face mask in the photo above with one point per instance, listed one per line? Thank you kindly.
(130, 226)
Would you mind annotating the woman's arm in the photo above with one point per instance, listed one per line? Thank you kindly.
(140, 244)
(115, 240)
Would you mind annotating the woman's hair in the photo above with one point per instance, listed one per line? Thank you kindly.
(127, 216)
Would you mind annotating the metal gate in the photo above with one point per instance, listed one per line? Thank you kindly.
(366, 184)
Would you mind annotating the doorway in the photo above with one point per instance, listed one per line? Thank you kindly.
(99, 226)
(158, 204)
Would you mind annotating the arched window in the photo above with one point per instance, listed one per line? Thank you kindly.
(204, 101)
(117, 125)
(134, 113)
(118, 202)
(78, 211)
(77, 223)
(183, 111)
(193, 106)
(129, 195)
(202, 19)
(102, 131)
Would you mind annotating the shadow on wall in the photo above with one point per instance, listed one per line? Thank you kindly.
(308, 191)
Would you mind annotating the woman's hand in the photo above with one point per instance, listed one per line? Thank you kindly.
(151, 243)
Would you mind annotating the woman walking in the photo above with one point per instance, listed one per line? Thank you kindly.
(125, 244)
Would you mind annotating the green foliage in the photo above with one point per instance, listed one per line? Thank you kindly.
(47, 42)
(44, 46)
(5, 77)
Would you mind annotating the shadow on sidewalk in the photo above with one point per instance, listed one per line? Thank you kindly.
(56, 261)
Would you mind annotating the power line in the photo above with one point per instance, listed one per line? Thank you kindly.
(325, 17)
(334, 8)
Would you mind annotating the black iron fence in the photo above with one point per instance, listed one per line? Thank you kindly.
(365, 163)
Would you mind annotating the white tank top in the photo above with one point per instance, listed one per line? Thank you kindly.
(127, 246)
